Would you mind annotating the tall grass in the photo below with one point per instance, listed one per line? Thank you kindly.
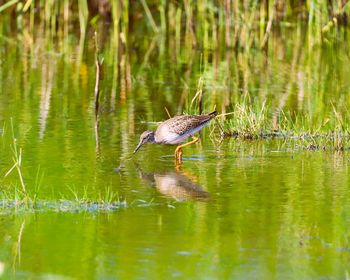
(249, 122)
(208, 24)
(17, 160)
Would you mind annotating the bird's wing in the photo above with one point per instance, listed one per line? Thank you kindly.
(182, 124)
(174, 130)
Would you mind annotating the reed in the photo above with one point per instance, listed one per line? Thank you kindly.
(230, 23)
(17, 160)
(249, 122)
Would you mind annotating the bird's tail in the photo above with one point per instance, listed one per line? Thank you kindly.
(213, 114)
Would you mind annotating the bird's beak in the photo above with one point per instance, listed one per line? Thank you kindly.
(138, 146)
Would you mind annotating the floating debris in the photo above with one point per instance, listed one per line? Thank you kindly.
(117, 169)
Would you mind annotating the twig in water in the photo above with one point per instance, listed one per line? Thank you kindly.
(7, 5)
(225, 114)
(149, 15)
(18, 245)
(17, 161)
(97, 79)
(166, 110)
(199, 95)
(269, 25)
(97, 92)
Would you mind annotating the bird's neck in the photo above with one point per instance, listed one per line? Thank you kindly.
(151, 138)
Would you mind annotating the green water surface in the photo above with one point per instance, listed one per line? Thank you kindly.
(235, 209)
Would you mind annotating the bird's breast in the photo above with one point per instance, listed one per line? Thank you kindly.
(164, 136)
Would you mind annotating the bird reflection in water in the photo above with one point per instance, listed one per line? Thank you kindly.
(175, 184)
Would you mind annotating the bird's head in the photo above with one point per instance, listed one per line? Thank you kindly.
(145, 137)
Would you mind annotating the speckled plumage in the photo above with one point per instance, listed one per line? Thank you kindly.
(175, 130)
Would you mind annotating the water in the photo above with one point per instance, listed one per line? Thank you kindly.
(234, 210)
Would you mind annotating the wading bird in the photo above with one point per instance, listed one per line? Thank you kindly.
(175, 130)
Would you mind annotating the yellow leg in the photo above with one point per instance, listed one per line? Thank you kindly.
(178, 151)
(178, 166)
